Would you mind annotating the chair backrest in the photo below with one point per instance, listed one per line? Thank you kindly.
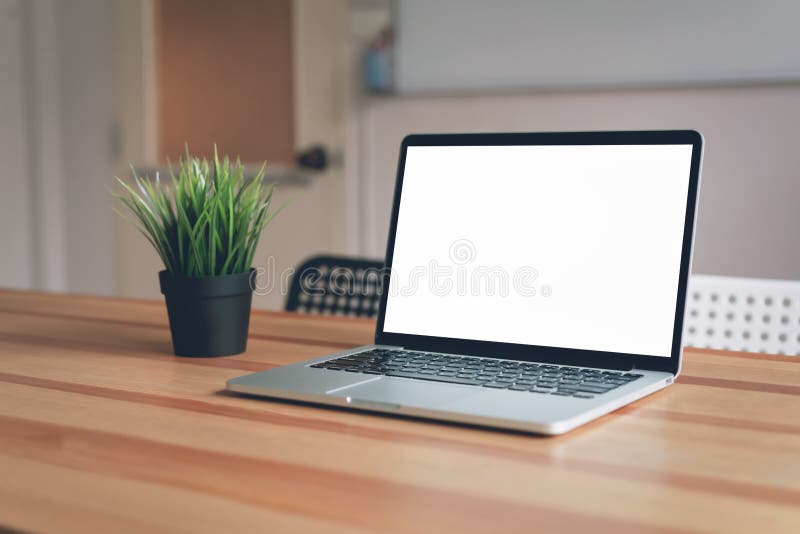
(746, 314)
(335, 285)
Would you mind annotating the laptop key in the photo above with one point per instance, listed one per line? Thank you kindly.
(497, 385)
(567, 387)
(616, 382)
(582, 395)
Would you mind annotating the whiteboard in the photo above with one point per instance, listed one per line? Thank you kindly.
(507, 44)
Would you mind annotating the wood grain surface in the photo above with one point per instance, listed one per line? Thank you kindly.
(102, 429)
(224, 76)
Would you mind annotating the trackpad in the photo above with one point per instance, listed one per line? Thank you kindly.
(405, 392)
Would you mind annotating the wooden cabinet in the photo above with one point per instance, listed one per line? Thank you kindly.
(224, 76)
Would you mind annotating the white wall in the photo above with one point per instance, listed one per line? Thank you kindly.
(475, 44)
(85, 75)
(748, 216)
(133, 81)
(55, 220)
(16, 266)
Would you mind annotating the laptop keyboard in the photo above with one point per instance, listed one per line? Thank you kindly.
(488, 373)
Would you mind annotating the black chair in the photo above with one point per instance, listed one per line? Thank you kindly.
(335, 285)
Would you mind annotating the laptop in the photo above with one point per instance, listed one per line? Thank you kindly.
(533, 282)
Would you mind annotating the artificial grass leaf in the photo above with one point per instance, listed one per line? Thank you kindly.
(205, 220)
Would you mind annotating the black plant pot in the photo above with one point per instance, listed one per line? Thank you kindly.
(209, 315)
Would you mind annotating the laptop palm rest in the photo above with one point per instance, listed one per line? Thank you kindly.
(402, 392)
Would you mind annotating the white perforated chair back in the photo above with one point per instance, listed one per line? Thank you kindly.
(745, 314)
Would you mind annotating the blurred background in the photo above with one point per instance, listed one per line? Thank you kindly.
(324, 90)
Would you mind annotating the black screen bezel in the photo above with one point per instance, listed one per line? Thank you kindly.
(566, 356)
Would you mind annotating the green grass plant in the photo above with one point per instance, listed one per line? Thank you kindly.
(206, 219)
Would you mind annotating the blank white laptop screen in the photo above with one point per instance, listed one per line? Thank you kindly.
(560, 246)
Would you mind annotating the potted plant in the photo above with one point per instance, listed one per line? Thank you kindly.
(205, 223)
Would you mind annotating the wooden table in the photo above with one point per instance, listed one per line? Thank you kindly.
(103, 430)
